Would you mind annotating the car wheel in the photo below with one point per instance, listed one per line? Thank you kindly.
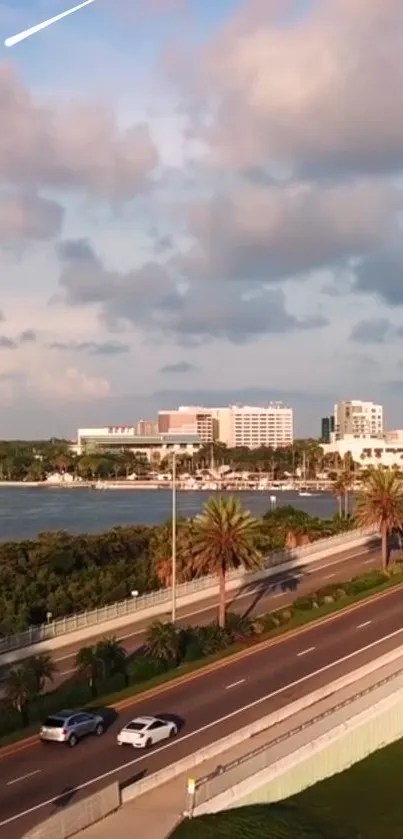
(148, 743)
(99, 730)
(72, 741)
(173, 732)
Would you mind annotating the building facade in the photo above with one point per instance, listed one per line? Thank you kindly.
(327, 429)
(358, 420)
(254, 427)
(189, 420)
(117, 438)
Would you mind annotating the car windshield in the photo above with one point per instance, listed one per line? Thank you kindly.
(53, 722)
(135, 726)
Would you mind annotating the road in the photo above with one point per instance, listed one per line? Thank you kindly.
(37, 781)
(254, 599)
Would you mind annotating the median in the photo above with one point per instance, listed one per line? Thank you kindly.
(172, 654)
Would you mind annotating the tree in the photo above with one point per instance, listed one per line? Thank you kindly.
(163, 642)
(20, 689)
(380, 505)
(112, 656)
(43, 669)
(89, 666)
(225, 536)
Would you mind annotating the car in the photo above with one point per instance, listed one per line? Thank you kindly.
(143, 732)
(70, 726)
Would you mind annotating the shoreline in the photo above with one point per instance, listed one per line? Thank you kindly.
(307, 487)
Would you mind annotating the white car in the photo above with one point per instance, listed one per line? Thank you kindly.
(143, 732)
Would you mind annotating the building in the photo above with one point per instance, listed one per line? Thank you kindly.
(370, 451)
(189, 420)
(117, 438)
(358, 420)
(327, 429)
(254, 427)
(147, 428)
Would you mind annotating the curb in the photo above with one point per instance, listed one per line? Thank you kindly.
(188, 678)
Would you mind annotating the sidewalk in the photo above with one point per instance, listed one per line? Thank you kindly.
(155, 814)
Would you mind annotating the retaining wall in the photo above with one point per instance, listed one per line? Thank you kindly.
(78, 816)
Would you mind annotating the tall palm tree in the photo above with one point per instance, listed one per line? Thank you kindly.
(20, 689)
(43, 669)
(225, 536)
(163, 642)
(89, 667)
(380, 504)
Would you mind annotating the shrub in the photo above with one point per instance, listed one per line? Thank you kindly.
(366, 582)
(304, 604)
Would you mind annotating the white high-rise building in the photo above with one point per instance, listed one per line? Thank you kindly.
(358, 420)
(253, 427)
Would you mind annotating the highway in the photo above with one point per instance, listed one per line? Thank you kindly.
(38, 780)
(253, 599)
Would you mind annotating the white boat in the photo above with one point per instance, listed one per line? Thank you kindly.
(304, 494)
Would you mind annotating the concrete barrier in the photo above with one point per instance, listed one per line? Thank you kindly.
(321, 756)
(224, 744)
(75, 817)
(204, 588)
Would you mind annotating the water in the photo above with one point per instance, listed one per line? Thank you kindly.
(26, 512)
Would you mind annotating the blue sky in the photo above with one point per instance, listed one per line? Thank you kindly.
(209, 187)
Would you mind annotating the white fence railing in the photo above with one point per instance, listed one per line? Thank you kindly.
(134, 605)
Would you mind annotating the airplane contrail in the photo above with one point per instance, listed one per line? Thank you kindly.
(15, 39)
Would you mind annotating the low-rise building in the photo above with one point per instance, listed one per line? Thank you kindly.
(115, 438)
(369, 451)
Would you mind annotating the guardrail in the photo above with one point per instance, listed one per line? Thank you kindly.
(229, 775)
(134, 605)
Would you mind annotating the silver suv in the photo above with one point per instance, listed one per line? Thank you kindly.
(69, 726)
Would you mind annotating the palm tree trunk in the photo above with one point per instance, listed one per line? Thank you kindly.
(339, 500)
(346, 504)
(221, 602)
(385, 546)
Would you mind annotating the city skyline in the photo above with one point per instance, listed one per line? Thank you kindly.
(187, 219)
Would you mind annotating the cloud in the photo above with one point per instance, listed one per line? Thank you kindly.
(28, 336)
(150, 300)
(371, 331)
(71, 384)
(28, 217)
(179, 367)
(266, 233)
(381, 274)
(72, 147)
(91, 347)
(319, 97)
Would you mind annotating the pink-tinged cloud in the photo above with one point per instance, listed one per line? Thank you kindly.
(25, 217)
(76, 147)
(323, 95)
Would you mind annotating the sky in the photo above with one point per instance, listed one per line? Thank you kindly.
(200, 203)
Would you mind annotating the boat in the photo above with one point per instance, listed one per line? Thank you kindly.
(304, 494)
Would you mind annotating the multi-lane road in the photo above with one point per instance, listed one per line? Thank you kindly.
(38, 780)
(253, 599)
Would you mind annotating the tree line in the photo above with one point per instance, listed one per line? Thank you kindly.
(61, 573)
(33, 461)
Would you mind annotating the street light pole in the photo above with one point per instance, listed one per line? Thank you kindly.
(173, 584)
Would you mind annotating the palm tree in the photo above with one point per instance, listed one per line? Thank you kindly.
(43, 669)
(89, 666)
(380, 504)
(225, 536)
(112, 656)
(20, 689)
(163, 642)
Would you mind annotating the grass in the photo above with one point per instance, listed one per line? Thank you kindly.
(299, 619)
(364, 802)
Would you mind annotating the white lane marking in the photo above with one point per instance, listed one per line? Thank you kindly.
(367, 561)
(212, 724)
(249, 593)
(235, 684)
(305, 652)
(361, 625)
(23, 777)
(329, 576)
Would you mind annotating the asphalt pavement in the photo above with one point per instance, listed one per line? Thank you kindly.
(39, 780)
(253, 599)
